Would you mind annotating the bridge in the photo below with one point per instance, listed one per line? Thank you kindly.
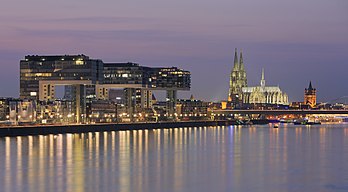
(340, 100)
(280, 112)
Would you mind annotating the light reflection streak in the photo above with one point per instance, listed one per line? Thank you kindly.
(237, 161)
(8, 164)
(19, 173)
(40, 164)
(68, 152)
(285, 146)
(124, 162)
(322, 148)
(78, 164)
(50, 142)
(59, 161)
(298, 133)
(140, 159)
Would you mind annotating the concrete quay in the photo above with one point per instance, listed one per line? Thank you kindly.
(13, 131)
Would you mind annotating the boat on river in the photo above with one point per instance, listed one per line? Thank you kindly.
(306, 122)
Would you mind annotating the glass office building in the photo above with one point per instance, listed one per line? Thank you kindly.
(86, 79)
(64, 69)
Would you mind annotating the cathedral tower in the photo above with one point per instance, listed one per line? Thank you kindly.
(310, 96)
(263, 81)
(238, 79)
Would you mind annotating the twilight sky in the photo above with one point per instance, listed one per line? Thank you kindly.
(294, 40)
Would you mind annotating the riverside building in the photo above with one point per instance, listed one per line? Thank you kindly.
(87, 79)
(192, 109)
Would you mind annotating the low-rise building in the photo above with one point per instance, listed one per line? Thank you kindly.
(192, 109)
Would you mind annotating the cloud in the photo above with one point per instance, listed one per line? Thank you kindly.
(102, 19)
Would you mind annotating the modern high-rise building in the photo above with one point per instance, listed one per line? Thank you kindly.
(310, 96)
(140, 81)
(85, 78)
(238, 79)
(40, 74)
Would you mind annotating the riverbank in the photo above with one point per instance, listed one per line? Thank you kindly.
(85, 128)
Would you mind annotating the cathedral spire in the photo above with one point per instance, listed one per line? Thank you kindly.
(263, 81)
(310, 87)
(241, 62)
(235, 59)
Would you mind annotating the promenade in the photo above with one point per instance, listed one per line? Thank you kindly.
(13, 131)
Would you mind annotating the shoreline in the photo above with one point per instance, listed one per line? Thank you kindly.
(85, 128)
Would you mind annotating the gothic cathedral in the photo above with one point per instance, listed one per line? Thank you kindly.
(238, 79)
(240, 93)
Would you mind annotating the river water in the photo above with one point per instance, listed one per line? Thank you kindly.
(203, 159)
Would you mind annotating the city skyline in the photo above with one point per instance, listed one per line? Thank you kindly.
(293, 41)
(174, 96)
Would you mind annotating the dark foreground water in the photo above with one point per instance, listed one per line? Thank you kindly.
(211, 159)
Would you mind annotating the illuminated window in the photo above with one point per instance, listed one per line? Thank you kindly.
(79, 62)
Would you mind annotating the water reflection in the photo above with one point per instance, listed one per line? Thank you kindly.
(255, 158)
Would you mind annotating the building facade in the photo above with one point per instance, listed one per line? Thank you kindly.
(4, 108)
(310, 96)
(264, 94)
(45, 72)
(192, 109)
